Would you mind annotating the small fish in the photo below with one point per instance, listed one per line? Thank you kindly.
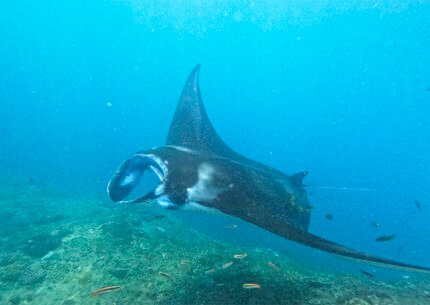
(226, 265)
(104, 290)
(184, 262)
(374, 224)
(241, 255)
(251, 286)
(273, 266)
(328, 216)
(159, 216)
(210, 271)
(232, 226)
(165, 274)
(367, 273)
(418, 205)
(385, 238)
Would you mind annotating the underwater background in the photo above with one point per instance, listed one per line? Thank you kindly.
(341, 89)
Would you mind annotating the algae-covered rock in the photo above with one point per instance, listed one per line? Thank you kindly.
(34, 274)
(118, 232)
(10, 274)
(356, 301)
(89, 250)
(84, 277)
(40, 245)
(15, 300)
(119, 273)
(7, 259)
(48, 219)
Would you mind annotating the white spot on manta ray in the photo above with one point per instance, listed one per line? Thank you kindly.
(159, 190)
(128, 179)
(183, 149)
(196, 207)
(165, 202)
(203, 190)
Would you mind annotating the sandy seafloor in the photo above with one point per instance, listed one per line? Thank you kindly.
(56, 248)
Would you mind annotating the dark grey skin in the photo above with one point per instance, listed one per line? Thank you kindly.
(196, 168)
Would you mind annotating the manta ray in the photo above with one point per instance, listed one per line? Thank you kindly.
(196, 168)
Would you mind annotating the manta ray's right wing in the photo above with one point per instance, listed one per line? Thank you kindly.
(317, 242)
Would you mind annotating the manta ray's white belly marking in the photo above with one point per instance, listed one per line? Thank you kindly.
(203, 190)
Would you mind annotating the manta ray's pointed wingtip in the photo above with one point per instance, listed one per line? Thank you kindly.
(197, 68)
(191, 88)
(194, 76)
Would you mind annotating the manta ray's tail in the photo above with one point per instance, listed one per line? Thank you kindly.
(317, 242)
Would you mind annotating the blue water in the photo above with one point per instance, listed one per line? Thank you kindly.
(339, 90)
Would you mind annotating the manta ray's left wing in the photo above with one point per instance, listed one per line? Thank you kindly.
(314, 241)
(191, 126)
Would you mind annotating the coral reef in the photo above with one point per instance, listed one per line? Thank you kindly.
(63, 252)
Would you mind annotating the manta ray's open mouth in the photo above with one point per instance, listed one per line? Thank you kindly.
(124, 186)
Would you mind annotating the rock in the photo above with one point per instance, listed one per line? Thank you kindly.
(32, 275)
(119, 273)
(10, 275)
(84, 277)
(6, 260)
(40, 245)
(48, 219)
(15, 300)
(356, 301)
